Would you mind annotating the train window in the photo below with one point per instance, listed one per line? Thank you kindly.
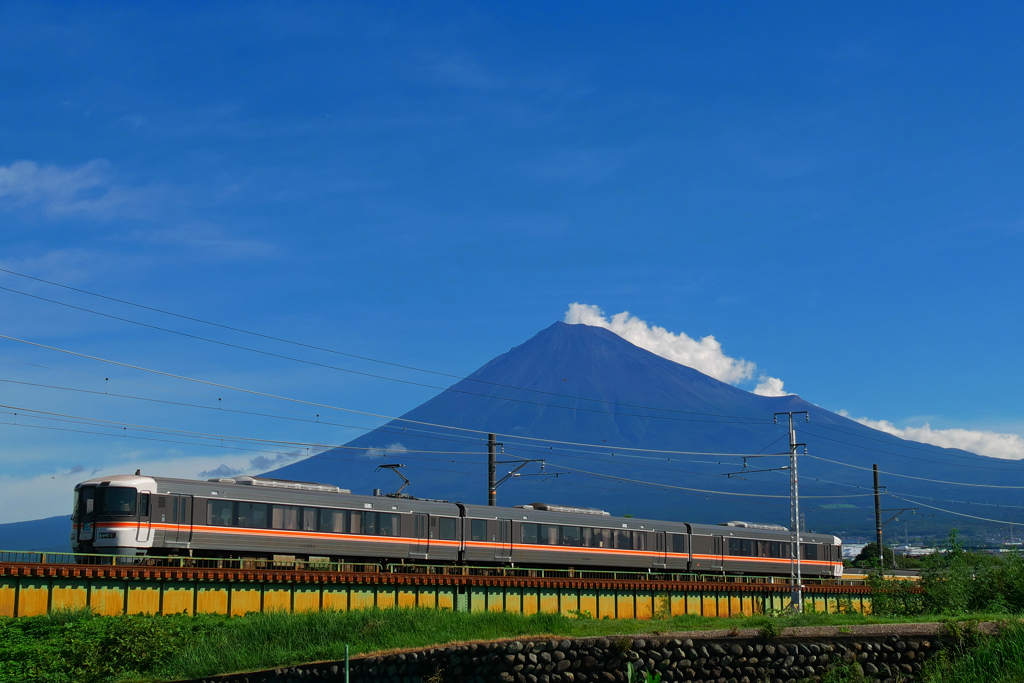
(742, 547)
(285, 517)
(774, 549)
(679, 543)
(144, 505)
(446, 529)
(388, 524)
(355, 522)
(571, 535)
(624, 540)
(379, 523)
(600, 538)
(220, 513)
(309, 519)
(119, 501)
(639, 540)
(548, 534)
(529, 533)
(809, 551)
(332, 521)
(174, 511)
(479, 530)
(252, 515)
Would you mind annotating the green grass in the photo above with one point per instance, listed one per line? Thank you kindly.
(978, 659)
(79, 647)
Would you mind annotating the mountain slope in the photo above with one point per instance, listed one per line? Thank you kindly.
(586, 385)
(48, 535)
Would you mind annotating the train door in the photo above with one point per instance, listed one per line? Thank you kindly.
(86, 512)
(503, 540)
(419, 544)
(181, 518)
(145, 519)
(719, 550)
(660, 550)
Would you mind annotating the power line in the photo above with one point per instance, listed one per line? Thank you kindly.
(365, 374)
(931, 450)
(194, 434)
(350, 410)
(911, 457)
(907, 476)
(951, 512)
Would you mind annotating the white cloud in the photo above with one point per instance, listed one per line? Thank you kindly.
(705, 355)
(769, 386)
(992, 444)
(60, 192)
(391, 449)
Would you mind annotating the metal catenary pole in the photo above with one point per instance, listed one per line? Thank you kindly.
(795, 573)
(878, 521)
(492, 488)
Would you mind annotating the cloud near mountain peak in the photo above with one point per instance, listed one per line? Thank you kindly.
(704, 354)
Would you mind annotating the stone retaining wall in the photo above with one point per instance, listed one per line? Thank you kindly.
(889, 658)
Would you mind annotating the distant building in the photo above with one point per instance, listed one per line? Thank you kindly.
(852, 550)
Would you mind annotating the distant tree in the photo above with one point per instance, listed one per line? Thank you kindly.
(868, 559)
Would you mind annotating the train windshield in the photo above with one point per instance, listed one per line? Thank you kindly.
(116, 501)
(85, 499)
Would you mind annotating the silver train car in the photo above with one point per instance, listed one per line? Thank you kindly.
(256, 518)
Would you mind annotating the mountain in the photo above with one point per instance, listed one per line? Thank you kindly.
(45, 535)
(574, 394)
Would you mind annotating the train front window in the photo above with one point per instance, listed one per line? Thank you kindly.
(117, 501)
(74, 507)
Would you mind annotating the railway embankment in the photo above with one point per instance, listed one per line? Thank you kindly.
(876, 652)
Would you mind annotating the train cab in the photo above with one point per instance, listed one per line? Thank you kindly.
(112, 515)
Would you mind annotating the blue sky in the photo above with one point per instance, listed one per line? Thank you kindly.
(835, 194)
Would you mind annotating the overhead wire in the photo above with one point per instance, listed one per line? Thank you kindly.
(439, 388)
(909, 457)
(952, 512)
(908, 476)
(384, 377)
(346, 410)
(194, 434)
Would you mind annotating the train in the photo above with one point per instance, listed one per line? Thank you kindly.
(260, 518)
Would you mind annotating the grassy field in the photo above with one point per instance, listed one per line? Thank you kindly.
(82, 648)
(977, 659)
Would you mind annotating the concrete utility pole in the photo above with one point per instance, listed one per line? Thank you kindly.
(492, 456)
(795, 574)
(878, 520)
